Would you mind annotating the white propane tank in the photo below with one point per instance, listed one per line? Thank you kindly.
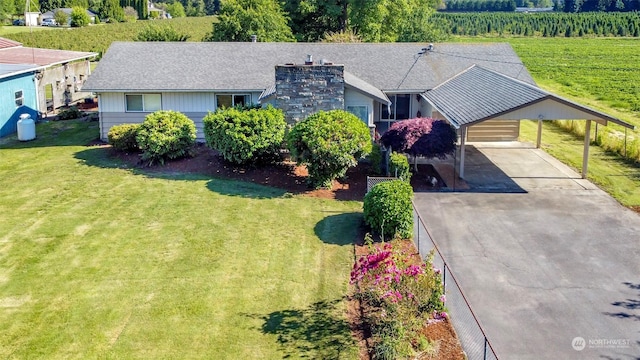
(26, 128)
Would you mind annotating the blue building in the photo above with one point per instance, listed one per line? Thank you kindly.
(18, 95)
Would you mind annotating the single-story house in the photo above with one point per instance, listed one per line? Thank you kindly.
(57, 75)
(51, 15)
(483, 90)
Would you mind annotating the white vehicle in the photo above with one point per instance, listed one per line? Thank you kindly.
(48, 22)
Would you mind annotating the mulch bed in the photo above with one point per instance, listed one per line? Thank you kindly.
(286, 176)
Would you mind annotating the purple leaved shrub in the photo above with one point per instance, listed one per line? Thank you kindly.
(426, 137)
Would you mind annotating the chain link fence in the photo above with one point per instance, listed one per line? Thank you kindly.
(374, 180)
(474, 341)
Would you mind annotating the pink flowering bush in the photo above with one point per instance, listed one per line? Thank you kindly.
(399, 296)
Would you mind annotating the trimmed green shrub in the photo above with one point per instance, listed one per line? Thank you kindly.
(329, 143)
(166, 135)
(388, 209)
(245, 136)
(375, 159)
(399, 166)
(156, 33)
(69, 114)
(123, 137)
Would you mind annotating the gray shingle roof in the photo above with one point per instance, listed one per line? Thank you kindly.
(190, 66)
(366, 88)
(479, 94)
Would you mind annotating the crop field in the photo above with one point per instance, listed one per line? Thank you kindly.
(547, 24)
(97, 38)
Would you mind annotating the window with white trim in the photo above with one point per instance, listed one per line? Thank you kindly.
(232, 100)
(361, 111)
(143, 102)
(19, 98)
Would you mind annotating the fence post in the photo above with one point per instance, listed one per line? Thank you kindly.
(485, 348)
(444, 275)
(419, 223)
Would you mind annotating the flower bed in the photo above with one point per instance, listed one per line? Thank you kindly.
(402, 301)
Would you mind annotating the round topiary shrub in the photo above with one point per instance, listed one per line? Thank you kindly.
(123, 137)
(329, 143)
(399, 166)
(246, 136)
(166, 135)
(388, 209)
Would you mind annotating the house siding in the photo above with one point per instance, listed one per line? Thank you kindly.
(9, 112)
(543, 109)
(195, 105)
(355, 98)
(110, 119)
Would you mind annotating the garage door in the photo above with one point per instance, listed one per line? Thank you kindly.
(494, 130)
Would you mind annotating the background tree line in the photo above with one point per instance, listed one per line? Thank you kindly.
(480, 5)
(550, 24)
(598, 5)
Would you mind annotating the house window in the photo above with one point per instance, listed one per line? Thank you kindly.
(232, 100)
(398, 110)
(144, 102)
(361, 111)
(19, 98)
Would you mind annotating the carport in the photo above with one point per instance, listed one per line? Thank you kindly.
(477, 95)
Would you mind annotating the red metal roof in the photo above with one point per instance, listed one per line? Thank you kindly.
(42, 57)
(6, 43)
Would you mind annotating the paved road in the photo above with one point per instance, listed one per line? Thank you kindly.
(558, 260)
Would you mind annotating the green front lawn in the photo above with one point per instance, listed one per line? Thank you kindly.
(101, 261)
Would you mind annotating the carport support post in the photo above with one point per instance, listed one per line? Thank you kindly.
(587, 142)
(539, 138)
(463, 135)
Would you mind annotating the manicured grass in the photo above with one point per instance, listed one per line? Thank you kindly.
(619, 178)
(101, 261)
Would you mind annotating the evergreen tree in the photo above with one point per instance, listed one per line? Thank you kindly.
(111, 11)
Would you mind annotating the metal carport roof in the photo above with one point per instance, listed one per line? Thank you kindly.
(478, 94)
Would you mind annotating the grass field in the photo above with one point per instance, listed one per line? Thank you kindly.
(101, 261)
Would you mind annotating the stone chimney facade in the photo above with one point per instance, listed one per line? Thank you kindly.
(302, 90)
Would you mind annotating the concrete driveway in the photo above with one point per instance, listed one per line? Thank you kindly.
(543, 256)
